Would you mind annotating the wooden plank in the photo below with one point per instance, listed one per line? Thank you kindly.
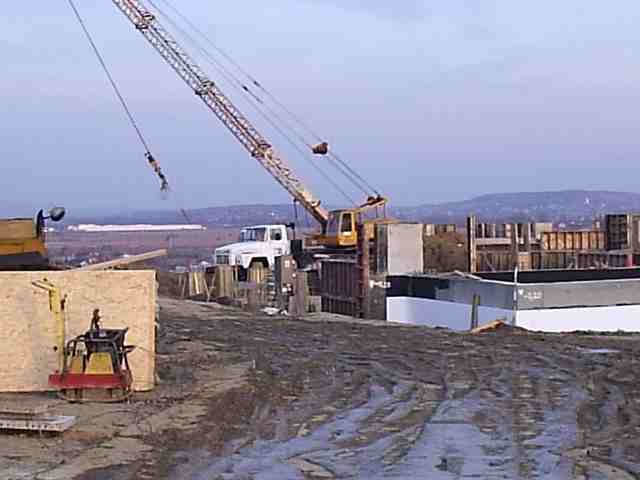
(472, 256)
(527, 237)
(121, 262)
(24, 408)
(57, 423)
(514, 246)
(489, 327)
(224, 281)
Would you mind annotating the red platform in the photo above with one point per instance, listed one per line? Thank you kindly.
(83, 381)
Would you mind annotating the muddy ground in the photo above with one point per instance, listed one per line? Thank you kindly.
(242, 396)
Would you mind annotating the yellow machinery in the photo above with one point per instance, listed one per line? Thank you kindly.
(95, 366)
(22, 240)
(340, 231)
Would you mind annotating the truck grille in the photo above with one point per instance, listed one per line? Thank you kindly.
(222, 259)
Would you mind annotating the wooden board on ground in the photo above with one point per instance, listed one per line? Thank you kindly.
(126, 299)
(489, 327)
(38, 423)
(23, 408)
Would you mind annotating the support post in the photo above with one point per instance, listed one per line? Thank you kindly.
(472, 254)
(526, 235)
(363, 265)
(514, 245)
(474, 311)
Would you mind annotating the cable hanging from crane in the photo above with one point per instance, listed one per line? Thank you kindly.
(269, 116)
(153, 163)
(322, 148)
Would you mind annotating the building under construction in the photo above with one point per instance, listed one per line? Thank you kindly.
(613, 243)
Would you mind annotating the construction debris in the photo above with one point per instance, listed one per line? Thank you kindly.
(34, 417)
(490, 327)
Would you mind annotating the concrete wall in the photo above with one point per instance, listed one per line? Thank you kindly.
(125, 299)
(399, 249)
(531, 296)
(435, 313)
(601, 319)
(405, 252)
(457, 316)
(578, 294)
(459, 290)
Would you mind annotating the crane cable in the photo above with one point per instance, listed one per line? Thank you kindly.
(164, 184)
(358, 180)
(237, 83)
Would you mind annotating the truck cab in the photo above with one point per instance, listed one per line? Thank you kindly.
(257, 245)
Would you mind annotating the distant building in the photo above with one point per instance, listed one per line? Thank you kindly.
(90, 228)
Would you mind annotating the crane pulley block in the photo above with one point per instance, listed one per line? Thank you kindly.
(321, 148)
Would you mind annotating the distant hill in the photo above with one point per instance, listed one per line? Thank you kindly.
(573, 207)
(578, 207)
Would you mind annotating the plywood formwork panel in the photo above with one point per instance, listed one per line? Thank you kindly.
(580, 240)
(125, 299)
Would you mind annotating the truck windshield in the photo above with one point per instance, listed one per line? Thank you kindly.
(253, 235)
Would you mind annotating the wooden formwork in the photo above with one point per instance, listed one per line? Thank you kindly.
(339, 281)
(581, 240)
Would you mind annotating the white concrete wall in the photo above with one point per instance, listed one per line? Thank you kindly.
(457, 316)
(405, 248)
(601, 319)
(436, 313)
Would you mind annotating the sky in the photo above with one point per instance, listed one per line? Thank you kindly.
(429, 101)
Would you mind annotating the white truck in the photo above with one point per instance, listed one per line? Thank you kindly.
(258, 245)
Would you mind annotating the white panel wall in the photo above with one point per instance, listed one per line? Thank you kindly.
(436, 313)
(457, 316)
(405, 248)
(601, 319)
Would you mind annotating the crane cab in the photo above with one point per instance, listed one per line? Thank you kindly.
(341, 229)
(342, 233)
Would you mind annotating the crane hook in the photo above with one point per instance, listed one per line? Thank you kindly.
(321, 149)
(164, 183)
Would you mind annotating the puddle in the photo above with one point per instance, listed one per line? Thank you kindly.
(270, 460)
(599, 351)
(518, 432)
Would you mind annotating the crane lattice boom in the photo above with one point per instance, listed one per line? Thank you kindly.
(259, 148)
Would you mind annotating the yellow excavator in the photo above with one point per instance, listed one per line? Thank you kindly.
(22, 240)
(338, 227)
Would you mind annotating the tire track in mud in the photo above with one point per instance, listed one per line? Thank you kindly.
(347, 400)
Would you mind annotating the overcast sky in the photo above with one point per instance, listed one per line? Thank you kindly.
(430, 101)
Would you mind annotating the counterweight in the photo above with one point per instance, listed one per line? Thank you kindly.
(259, 148)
